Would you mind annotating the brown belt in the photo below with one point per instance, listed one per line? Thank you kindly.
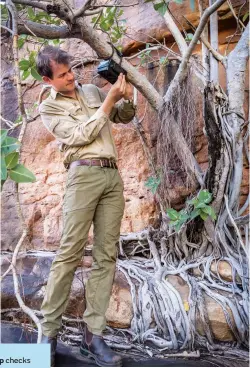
(103, 162)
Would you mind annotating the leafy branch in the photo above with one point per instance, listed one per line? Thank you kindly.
(197, 206)
(10, 166)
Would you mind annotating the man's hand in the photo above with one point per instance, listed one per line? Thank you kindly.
(128, 92)
(121, 89)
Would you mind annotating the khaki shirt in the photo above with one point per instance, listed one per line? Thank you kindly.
(81, 126)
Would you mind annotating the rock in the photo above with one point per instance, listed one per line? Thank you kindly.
(216, 315)
(33, 273)
(224, 269)
(120, 310)
(33, 270)
(217, 321)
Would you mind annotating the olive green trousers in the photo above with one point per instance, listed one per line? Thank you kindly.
(93, 194)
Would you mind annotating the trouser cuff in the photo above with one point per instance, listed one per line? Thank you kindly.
(95, 331)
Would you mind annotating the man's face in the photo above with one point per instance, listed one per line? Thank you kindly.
(63, 78)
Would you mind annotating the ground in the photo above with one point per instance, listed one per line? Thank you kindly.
(69, 356)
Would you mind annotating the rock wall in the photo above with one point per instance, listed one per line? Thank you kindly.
(42, 201)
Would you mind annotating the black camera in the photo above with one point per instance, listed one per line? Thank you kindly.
(110, 70)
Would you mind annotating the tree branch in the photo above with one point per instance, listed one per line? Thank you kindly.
(48, 32)
(7, 29)
(178, 78)
(215, 53)
(175, 32)
(214, 39)
(88, 9)
(200, 28)
(236, 70)
(183, 66)
(204, 49)
(35, 4)
(104, 50)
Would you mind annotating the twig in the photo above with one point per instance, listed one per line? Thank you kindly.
(202, 24)
(12, 9)
(8, 122)
(7, 29)
(234, 14)
(215, 53)
(114, 6)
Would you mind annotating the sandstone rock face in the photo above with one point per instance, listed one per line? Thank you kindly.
(42, 201)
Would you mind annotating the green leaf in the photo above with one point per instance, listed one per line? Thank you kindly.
(11, 160)
(148, 1)
(35, 74)
(20, 42)
(24, 64)
(3, 168)
(210, 211)
(189, 37)
(203, 215)
(183, 216)
(152, 183)
(194, 214)
(204, 196)
(193, 201)
(9, 145)
(246, 15)
(161, 8)
(22, 175)
(163, 60)
(201, 205)
(104, 26)
(3, 135)
(172, 214)
(25, 74)
(31, 13)
(32, 58)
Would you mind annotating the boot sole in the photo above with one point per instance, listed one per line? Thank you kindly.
(88, 354)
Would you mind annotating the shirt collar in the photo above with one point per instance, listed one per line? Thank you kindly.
(54, 93)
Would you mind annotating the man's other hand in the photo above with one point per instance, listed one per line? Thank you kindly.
(120, 89)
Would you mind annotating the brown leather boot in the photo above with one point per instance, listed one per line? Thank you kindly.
(53, 342)
(94, 346)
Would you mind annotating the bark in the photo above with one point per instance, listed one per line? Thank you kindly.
(175, 32)
(236, 73)
(214, 66)
(48, 32)
(204, 48)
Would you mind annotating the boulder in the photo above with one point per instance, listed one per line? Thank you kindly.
(33, 270)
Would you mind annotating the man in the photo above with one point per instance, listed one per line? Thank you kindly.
(80, 118)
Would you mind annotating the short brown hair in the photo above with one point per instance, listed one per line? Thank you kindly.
(46, 55)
